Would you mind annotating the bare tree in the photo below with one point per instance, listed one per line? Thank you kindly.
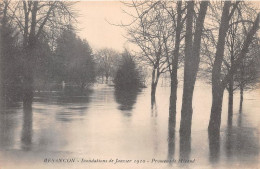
(237, 31)
(247, 75)
(238, 28)
(36, 20)
(150, 31)
(173, 48)
(219, 82)
(10, 62)
(107, 62)
(175, 11)
(191, 61)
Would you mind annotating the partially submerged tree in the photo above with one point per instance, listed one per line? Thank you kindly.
(106, 60)
(74, 60)
(149, 31)
(220, 82)
(191, 61)
(10, 63)
(127, 76)
(247, 75)
(175, 11)
(238, 28)
(35, 20)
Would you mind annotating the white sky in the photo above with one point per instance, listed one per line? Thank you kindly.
(93, 25)
(97, 31)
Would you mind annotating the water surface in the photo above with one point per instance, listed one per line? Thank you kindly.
(107, 124)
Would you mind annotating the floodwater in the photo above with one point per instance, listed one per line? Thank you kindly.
(107, 124)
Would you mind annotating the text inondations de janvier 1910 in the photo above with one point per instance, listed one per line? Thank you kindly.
(117, 161)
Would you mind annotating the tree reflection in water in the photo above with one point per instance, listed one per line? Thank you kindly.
(241, 142)
(154, 111)
(27, 130)
(71, 104)
(185, 146)
(126, 99)
(171, 139)
(8, 124)
(154, 126)
(214, 146)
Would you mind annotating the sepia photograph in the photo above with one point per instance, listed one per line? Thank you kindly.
(129, 84)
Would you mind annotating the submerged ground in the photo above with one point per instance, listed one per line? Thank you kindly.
(123, 126)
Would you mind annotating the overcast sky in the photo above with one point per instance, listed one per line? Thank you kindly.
(97, 31)
(93, 25)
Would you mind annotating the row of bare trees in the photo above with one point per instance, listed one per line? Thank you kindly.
(220, 38)
(34, 22)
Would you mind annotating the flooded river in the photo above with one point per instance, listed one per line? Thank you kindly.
(89, 131)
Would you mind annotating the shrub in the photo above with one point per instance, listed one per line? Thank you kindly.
(127, 75)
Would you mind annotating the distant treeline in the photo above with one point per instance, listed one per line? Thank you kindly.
(32, 60)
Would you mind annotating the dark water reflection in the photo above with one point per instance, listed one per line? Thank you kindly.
(9, 122)
(171, 139)
(126, 99)
(214, 147)
(241, 141)
(70, 104)
(154, 111)
(185, 146)
(27, 130)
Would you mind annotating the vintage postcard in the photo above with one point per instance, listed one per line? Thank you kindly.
(129, 84)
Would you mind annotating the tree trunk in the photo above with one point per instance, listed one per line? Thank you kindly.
(174, 78)
(106, 78)
(241, 86)
(27, 92)
(230, 101)
(185, 146)
(173, 99)
(217, 84)
(191, 62)
(214, 146)
(217, 88)
(241, 98)
(154, 86)
(26, 138)
(154, 83)
(28, 80)
(229, 145)
(29, 59)
(154, 111)
(171, 139)
(231, 79)
(216, 108)
(186, 111)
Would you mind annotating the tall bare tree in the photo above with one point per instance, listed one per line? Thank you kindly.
(150, 32)
(219, 82)
(239, 25)
(176, 12)
(36, 20)
(191, 61)
(10, 62)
